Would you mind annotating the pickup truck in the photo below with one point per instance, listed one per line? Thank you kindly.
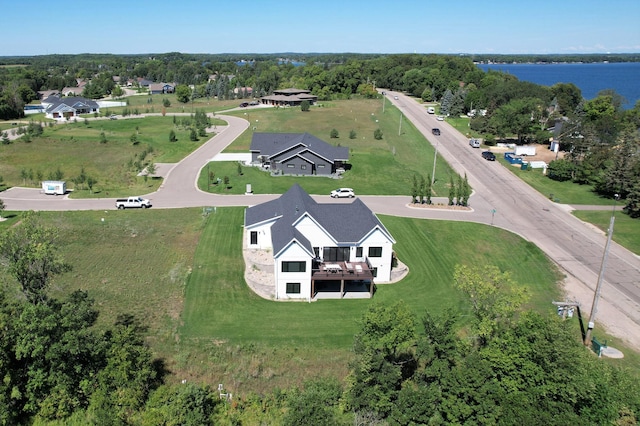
(132, 202)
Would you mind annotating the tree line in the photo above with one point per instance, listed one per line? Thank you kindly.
(599, 137)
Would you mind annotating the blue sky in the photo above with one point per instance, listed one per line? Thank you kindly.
(39, 27)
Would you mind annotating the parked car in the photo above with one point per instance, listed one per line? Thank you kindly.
(435, 131)
(244, 104)
(395, 97)
(440, 118)
(342, 193)
(488, 155)
(113, 117)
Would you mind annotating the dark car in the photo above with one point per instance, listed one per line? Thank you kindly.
(488, 155)
(244, 104)
(436, 131)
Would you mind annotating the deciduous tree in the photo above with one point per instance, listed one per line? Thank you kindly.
(30, 253)
(494, 297)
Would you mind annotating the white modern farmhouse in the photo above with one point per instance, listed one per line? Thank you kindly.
(331, 250)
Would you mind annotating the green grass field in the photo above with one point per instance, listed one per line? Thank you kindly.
(385, 166)
(181, 271)
(560, 192)
(626, 231)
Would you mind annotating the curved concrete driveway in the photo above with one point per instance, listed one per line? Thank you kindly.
(499, 198)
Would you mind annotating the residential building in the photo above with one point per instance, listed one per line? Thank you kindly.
(297, 154)
(320, 250)
(289, 97)
(68, 107)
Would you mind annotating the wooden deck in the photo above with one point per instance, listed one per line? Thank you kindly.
(342, 280)
(342, 271)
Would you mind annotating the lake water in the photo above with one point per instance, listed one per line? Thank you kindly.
(623, 78)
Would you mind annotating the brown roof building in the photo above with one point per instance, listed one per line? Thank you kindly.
(289, 97)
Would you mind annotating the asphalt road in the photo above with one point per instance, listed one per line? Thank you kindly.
(575, 246)
(499, 199)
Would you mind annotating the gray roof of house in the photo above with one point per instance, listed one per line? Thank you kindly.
(347, 223)
(270, 144)
(75, 102)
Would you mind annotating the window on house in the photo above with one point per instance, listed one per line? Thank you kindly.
(293, 288)
(254, 237)
(291, 166)
(321, 166)
(303, 167)
(375, 251)
(316, 252)
(374, 271)
(335, 254)
(358, 251)
(294, 266)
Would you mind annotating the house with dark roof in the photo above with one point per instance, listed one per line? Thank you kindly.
(297, 154)
(289, 97)
(161, 88)
(65, 108)
(320, 250)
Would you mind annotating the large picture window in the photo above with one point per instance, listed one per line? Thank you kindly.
(335, 254)
(375, 251)
(294, 266)
(293, 288)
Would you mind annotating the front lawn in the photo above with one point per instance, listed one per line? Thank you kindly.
(229, 331)
(380, 166)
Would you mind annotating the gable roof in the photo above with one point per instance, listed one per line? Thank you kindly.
(346, 223)
(271, 144)
(54, 103)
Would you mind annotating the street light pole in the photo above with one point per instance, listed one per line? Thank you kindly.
(596, 296)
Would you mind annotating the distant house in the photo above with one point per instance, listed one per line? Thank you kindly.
(68, 107)
(297, 154)
(289, 97)
(243, 92)
(161, 88)
(320, 249)
(143, 82)
(44, 94)
(72, 91)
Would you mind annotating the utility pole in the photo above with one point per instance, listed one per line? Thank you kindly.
(435, 156)
(596, 296)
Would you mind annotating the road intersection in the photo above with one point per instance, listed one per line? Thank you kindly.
(500, 199)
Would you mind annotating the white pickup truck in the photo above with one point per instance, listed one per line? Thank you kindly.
(132, 202)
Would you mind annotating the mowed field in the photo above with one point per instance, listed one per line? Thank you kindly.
(181, 272)
(380, 166)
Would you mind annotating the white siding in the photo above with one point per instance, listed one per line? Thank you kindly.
(293, 253)
(264, 236)
(379, 239)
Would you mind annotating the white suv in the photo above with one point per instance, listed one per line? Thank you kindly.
(342, 193)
